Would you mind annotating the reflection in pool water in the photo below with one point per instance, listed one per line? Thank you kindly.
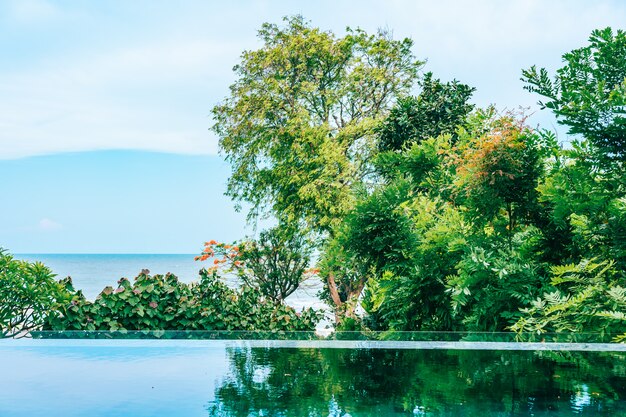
(276, 382)
(156, 378)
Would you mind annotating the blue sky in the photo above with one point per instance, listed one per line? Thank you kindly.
(105, 109)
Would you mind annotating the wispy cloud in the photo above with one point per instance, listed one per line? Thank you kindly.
(48, 225)
(32, 11)
(150, 83)
(128, 98)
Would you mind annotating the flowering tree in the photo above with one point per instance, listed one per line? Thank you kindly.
(275, 263)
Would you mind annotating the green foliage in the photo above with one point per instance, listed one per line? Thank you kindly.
(421, 164)
(29, 295)
(439, 109)
(498, 173)
(414, 231)
(379, 232)
(586, 297)
(298, 124)
(400, 382)
(344, 275)
(161, 302)
(490, 286)
(378, 236)
(584, 210)
(275, 263)
(588, 94)
(411, 295)
(434, 215)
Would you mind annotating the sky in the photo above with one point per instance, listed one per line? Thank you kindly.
(105, 107)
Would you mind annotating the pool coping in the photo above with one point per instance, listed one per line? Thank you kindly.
(314, 344)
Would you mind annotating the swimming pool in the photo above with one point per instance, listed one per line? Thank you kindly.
(307, 378)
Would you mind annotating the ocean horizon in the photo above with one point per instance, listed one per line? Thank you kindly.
(91, 272)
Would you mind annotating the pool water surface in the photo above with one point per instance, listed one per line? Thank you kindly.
(237, 378)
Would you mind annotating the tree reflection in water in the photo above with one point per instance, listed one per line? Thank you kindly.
(385, 382)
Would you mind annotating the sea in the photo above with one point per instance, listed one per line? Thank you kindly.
(92, 272)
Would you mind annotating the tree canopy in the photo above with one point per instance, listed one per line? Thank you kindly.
(588, 94)
(298, 124)
(440, 108)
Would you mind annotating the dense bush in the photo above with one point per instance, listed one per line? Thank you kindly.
(503, 221)
(29, 295)
(161, 302)
(589, 296)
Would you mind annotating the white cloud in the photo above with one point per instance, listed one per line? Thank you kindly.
(121, 99)
(48, 225)
(33, 11)
(153, 90)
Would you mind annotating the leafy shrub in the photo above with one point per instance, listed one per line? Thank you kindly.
(587, 297)
(498, 173)
(275, 263)
(491, 286)
(588, 93)
(161, 302)
(415, 298)
(439, 109)
(29, 295)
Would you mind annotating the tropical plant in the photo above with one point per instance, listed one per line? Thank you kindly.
(161, 302)
(588, 94)
(298, 125)
(29, 295)
(440, 108)
(275, 263)
(414, 296)
(498, 173)
(490, 286)
(586, 297)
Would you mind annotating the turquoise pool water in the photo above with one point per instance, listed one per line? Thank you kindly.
(238, 378)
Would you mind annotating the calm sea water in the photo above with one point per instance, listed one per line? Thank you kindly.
(92, 272)
(220, 379)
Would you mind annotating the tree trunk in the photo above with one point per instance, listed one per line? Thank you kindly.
(347, 308)
(334, 295)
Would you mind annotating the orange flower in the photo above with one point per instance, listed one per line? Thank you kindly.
(204, 257)
(212, 242)
(217, 261)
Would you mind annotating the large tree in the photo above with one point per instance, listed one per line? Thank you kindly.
(298, 124)
(588, 94)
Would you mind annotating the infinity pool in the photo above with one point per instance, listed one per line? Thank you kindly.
(256, 378)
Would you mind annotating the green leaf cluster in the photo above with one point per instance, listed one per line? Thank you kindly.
(440, 108)
(29, 295)
(590, 295)
(162, 302)
(588, 94)
(432, 214)
(298, 124)
(276, 262)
